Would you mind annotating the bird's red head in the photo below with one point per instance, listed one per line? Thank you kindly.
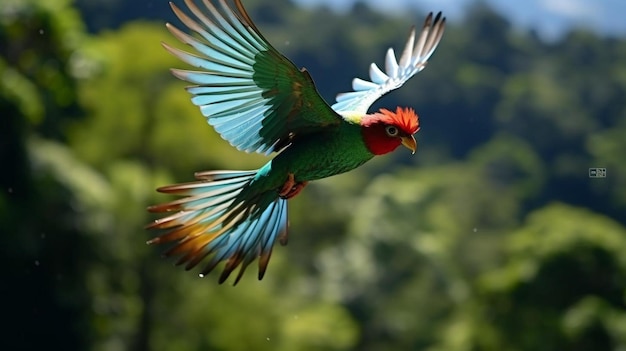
(385, 130)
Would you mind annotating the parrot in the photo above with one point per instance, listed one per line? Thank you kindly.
(259, 101)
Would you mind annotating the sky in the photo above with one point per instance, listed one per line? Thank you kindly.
(551, 18)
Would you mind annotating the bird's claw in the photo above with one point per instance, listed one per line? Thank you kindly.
(291, 188)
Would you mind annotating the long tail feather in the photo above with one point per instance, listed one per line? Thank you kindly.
(214, 219)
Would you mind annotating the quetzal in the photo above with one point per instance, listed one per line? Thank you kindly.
(259, 101)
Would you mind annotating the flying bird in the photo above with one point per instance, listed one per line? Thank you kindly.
(259, 101)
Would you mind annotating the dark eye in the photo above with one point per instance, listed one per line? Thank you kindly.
(392, 131)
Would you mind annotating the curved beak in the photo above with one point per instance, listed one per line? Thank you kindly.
(409, 142)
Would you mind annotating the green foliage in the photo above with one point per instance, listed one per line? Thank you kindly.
(492, 237)
(40, 39)
(563, 282)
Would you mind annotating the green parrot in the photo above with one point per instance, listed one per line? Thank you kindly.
(259, 101)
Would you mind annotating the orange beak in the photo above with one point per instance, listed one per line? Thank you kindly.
(409, 142)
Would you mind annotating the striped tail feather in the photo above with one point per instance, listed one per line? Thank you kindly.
(219, 216)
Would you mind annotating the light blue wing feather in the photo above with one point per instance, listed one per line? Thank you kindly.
(413, 59)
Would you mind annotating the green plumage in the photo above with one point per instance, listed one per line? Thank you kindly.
(312, 157)
(324, 154)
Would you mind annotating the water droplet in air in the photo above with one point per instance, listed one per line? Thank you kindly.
(475, 230)
(201, 275)
(37, 263)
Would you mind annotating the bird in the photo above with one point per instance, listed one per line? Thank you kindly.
(260, 101)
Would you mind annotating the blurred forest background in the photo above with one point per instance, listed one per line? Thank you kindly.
(491, 237)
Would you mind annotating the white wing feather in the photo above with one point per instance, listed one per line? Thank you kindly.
(414, 58)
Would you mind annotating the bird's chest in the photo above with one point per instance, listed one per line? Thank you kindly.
(321, 156)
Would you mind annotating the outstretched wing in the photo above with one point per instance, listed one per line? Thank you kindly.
(413, 59)
(252, 95)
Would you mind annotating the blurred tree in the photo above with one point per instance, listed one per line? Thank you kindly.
(561, 288)
(45, 230)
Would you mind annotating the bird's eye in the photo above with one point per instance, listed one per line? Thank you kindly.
(391, 131)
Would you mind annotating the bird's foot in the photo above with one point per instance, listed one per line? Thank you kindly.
(291, 188)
